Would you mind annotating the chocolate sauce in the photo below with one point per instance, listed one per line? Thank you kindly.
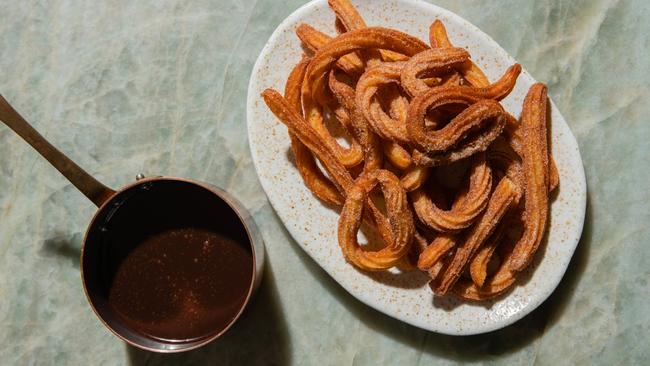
(177, 262)
(182, 284)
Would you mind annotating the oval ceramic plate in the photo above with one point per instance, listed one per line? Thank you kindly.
(406, 296)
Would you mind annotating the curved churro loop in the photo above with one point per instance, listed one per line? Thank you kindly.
(349, 19)
(399, 216)
(349, 156)
(314, 39)
(372, 37)
(341, 178)
(363, 146)
(505, 196)
(310, 138)
(368, 103)
(433, 62)
(484, 120)
(398, 106)
(438, 96)
(466, 208)
(372, 147)
(311, 174)
(535, 161)
(430, 142)
(414, 176)
(439, 39)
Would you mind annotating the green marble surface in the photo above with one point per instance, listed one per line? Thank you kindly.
(159, 87)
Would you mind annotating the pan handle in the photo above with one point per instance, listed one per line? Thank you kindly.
(89, 186)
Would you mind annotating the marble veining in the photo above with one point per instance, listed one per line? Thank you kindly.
(159, 87)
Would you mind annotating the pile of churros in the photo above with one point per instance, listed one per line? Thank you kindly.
(409, 140)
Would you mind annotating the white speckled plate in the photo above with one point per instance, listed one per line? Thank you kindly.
(407, 296)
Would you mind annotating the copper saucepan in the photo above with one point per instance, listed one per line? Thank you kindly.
(141, 208)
